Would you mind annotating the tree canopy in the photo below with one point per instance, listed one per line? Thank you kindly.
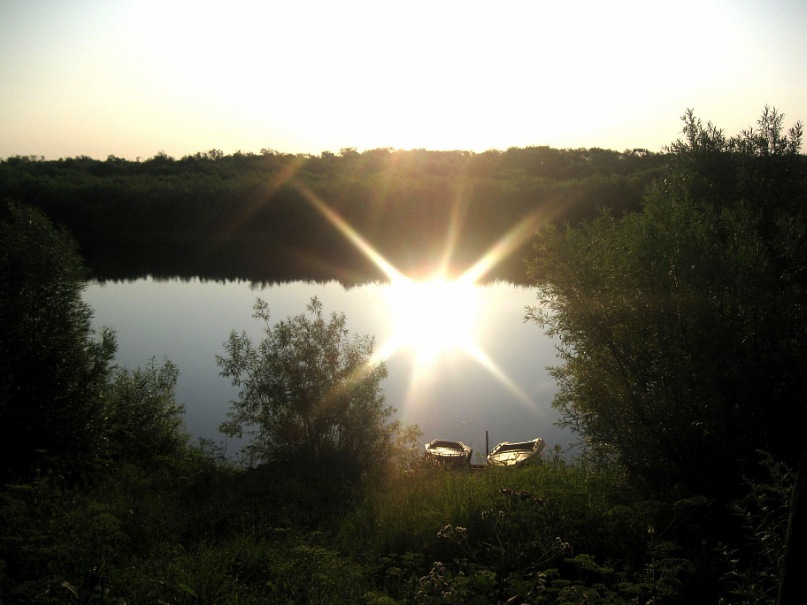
(249, 215)
(682, 328)
(309, 393)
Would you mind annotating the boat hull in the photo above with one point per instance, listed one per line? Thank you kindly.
(516, 453)
(454, 454)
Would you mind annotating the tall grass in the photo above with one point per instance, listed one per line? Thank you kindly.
(498, 533)
(408, 512)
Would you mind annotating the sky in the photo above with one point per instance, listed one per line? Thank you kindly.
(135, 78)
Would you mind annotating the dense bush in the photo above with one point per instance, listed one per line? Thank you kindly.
(53, 366)
(681, 328)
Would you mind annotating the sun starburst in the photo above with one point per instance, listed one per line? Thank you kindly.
(436, 316)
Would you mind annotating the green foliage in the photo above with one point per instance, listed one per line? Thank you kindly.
(681, 328)
(309, 394)
(56, 542)
(53, 367)
(145, 537)
(755, 559)
(251, 570)
(144, 422)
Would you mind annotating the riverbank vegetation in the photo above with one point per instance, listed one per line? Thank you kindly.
(196, 530)
(250, 216)
(682, 331)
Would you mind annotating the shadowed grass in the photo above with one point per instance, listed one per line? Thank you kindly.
(406, 515)
(197, 532)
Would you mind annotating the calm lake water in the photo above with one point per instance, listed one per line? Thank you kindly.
(498, 383)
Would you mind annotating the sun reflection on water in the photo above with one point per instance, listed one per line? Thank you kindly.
(430, 317)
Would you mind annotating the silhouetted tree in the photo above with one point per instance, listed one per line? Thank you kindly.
(53, 366)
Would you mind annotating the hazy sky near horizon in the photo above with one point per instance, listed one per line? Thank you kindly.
(132, 78)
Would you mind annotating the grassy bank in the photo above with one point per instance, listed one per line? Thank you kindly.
(197, 531)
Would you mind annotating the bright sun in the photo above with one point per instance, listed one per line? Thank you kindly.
(431, 317)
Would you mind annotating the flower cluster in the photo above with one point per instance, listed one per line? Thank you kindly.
(562, 546)
(435, 582)
(522, 494)
(488, 513)
(450, 532)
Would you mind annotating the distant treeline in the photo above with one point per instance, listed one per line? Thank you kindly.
(250, 215)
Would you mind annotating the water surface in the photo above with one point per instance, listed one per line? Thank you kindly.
(455, 396)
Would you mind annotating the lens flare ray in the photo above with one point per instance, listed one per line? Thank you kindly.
(255, 204)
(511, 241)
(435, 316)
(351, 234)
